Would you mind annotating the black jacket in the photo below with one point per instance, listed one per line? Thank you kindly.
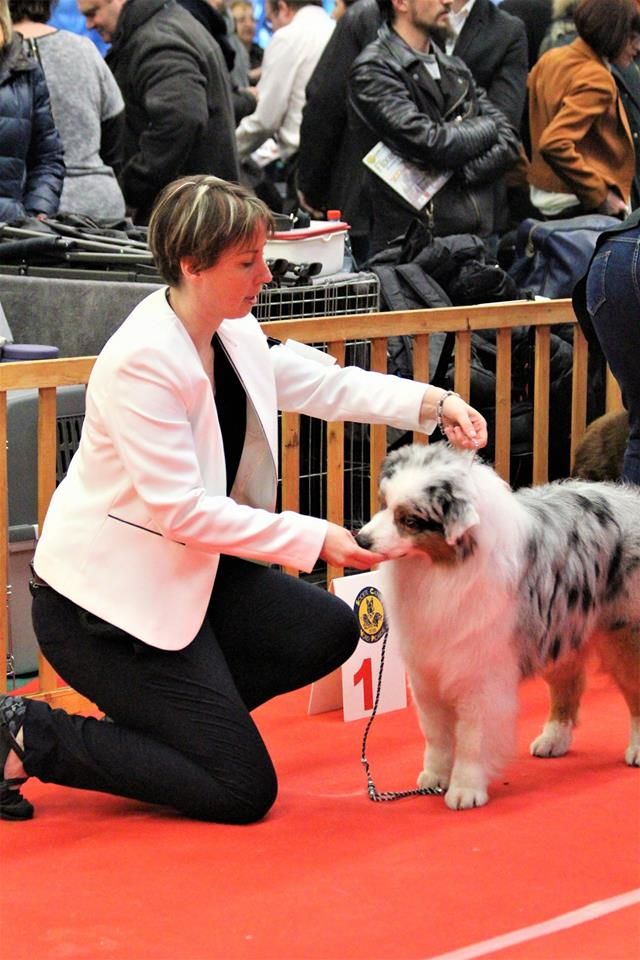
(327, 157)
(493, 45)
(628, 83)
(536, 16)
(31, 154)
(177, 94)
(215, 24)
(446, 125)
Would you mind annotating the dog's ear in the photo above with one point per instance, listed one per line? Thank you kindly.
(460, 518)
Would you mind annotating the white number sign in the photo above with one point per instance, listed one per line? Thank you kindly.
(354, 686)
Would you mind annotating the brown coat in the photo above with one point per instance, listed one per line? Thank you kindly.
(581, 141)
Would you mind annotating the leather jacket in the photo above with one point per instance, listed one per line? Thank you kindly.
(445, 125)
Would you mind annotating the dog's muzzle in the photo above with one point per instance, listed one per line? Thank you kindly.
(364, 540)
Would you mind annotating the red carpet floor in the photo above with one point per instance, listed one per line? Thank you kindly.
(332, 876)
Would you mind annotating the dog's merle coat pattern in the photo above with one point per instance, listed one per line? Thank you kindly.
(486, 585)
(577, 562)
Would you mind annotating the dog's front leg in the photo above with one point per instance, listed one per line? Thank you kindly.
(437, 722)
(469, 777)
(485, 739)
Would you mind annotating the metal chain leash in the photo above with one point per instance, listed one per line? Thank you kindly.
(371, 787)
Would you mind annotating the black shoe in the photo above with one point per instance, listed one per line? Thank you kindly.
(13, 806)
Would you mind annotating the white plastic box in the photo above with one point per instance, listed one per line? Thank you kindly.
(321, 242)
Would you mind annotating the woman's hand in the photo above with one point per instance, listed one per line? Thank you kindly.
(341, 550)
(462, 425)
(614, 206)
(304, 203)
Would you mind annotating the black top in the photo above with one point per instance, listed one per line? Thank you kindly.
(231, 403)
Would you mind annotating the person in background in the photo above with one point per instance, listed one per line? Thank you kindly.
(606, 302)
(425, 107)
(626, 72)
(245, 21)
(340, 8)
(493, 44)
(147, 599)
(330, 170)
(214, 18)
(177, 95)
(301, 29)
(31, 153)
(536, 16)
(561, 29)
(87, 107)
(240, 69)
(582, 148)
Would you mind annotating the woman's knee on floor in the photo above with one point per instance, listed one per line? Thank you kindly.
(238, 799)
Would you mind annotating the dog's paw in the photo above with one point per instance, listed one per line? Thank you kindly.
(632, 755)
(554, 741)
(432, 780)
(465, 798)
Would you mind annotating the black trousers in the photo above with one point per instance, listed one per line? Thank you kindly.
(182, 733)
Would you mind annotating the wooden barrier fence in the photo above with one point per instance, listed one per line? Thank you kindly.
(47, 375)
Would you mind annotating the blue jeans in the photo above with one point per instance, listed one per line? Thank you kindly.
(182, 732)
(613, 303)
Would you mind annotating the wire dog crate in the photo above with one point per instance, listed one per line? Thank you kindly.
(332, 296)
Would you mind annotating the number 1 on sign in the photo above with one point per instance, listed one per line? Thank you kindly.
(365, 676)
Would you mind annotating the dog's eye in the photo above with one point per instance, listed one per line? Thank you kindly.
(421, 524)
(412, 523)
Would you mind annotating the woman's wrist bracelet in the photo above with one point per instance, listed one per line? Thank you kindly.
(440, 408)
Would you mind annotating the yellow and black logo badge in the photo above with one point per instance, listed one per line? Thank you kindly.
(369, 609)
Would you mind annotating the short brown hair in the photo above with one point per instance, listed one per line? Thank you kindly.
(202, 217)
(606, 25)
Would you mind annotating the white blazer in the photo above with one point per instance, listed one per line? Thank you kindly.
(134, 531)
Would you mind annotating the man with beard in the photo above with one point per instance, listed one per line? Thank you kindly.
(492, 44)
(425, 107)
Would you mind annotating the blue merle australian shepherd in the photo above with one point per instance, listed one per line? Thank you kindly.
(485, 586)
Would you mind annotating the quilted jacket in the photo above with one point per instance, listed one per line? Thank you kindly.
(449, 125)
(31, 153)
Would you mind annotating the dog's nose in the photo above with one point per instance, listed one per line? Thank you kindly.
(363, 540)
